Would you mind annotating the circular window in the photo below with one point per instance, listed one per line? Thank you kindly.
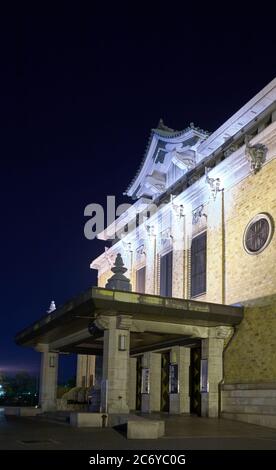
(258, 234)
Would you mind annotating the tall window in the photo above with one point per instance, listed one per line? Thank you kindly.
(141, 280)
(166, 275)
(198, 265)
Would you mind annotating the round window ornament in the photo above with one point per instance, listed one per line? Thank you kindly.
(258, 234)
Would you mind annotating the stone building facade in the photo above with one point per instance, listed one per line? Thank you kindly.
(222, 187)
(184, 314)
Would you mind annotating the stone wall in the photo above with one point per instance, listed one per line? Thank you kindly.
(250, 276)
(251, 281)
(251, 403)
(233, 275)
(102, 278)
(251, 355)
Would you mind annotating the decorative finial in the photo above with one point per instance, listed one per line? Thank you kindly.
(52, 307)
(118, 281)
(119, 265)
(162, 126)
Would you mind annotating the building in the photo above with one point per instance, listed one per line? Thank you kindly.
(190, 327)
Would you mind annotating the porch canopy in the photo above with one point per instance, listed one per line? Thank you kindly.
(153, 321)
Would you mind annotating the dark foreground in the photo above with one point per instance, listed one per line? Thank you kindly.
(181, 433)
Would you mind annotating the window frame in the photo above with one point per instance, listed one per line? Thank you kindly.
(162, 255)
(193, 296)
(268, 218)
(136, 273)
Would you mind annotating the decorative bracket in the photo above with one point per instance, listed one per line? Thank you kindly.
(214, 183)
(178, 208)
(256, 154)
(127, 247)
(197, 214)
(150, 230)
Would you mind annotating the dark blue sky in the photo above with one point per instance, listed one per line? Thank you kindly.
(80, 91)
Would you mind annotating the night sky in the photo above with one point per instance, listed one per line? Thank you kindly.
(80, 90)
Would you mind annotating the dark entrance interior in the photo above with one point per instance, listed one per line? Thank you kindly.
(195, 395)
(139, 383)
(165, 368)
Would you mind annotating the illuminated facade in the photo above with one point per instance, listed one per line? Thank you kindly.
(195, 330)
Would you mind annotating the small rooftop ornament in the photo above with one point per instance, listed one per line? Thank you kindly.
(52, 307)
(118, 281)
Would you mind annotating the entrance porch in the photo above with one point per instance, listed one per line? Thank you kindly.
(159, 354)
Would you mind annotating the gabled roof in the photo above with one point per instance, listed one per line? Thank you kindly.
(162, 137)
(162, 141)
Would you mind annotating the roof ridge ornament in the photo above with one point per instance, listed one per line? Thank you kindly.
(162, 126)
(256, 154)
(52, 307)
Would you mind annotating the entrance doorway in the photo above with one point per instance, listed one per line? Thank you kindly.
(165, 370)
(139, 383)
(195, 395)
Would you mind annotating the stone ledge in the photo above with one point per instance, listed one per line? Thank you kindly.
(250, 386)
(21, 411)
(93, 420)
(266, 420)
(249, 393)
(249, 408)
(145, 429)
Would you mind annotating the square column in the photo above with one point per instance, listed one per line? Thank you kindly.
(85, 370)
(212, 350)
(151, 400)
(115, 384)
(48, 379)
(150, 285)
(180, 402)
(132, 383)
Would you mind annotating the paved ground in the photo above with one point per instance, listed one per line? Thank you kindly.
(184, 433)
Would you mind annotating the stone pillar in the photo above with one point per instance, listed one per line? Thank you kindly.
(151, 263)
(212, 350)
(115, 367)
(215, 250)
(48, 378)
(132, 383)
(178, 225)
(85, 371)
(188, 233)
(151, 401)
(180, 402)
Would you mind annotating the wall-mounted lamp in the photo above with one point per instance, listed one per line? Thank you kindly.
(214, 183)
(122, 342)
(52, 361)
(178, 208)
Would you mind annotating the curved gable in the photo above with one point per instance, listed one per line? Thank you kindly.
(168, 156)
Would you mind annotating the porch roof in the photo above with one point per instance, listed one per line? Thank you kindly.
(75, 315)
